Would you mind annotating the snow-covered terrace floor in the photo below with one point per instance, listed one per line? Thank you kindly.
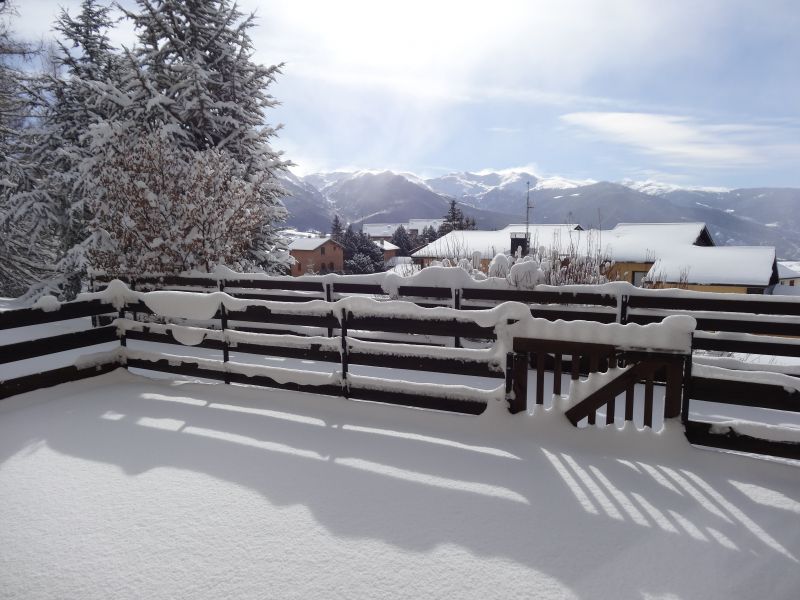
(126, 487)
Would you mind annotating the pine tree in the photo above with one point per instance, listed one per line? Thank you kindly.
(192, 77)
(55, 148)
(336, 228)
(361, 254)
(454, 220)
(21, 262)
(428, 235)
(402, 240)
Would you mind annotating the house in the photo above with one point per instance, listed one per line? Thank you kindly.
(789, 273)
(737, 269)
(380, 231)
(635, 247)
(481, 246)
(316, 255)
(388, 248)
(385, 231)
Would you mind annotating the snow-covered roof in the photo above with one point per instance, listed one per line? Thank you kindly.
(463, 244)
(717, 265)
(645, 242)
(421, 224)
(385, 245)
(309, 243)
(387, 229)
(788, 270)
(380, 229)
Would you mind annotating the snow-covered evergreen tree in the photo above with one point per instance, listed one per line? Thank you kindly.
(192, 76)
(402, 240)
(21, 261)
(55, 147)
(337, 230)
(168, 209)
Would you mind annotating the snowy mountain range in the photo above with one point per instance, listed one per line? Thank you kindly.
(752, 216)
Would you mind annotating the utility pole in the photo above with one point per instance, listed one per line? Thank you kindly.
(528, 208)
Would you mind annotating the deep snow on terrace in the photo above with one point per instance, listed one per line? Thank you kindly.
(126, 487)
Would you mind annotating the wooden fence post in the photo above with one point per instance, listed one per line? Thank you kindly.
(329, 298)
(519, 384)
(687, 388)
(622, 312)
(223, 320)
(457, 306)
(345, 390)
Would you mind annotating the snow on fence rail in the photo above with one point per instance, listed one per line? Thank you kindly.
(725, 322)
(613, 357)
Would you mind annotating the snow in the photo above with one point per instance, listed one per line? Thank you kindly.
(307, 243)
(124, 487)
(487, 244)
(786, 290)
(644, 242)
(656, 188)
(788, 270)
(385, 246)
(561, 183)
(723, 265)
(47, 303)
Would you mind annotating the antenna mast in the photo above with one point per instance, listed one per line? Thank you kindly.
(527, 219)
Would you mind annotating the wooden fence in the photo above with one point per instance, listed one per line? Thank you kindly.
(760, 326)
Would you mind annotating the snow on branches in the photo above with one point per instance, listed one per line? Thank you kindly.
(168, 210)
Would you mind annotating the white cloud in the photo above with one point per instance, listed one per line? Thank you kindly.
(684, 141)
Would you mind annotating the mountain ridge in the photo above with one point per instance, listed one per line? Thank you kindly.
(743, 216)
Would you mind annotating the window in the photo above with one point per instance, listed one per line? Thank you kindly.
(330, 267)
(322, 250)
(637, 277)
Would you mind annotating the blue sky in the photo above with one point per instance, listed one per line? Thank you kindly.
(697, 93)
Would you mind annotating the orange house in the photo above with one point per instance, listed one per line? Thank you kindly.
(316, 255)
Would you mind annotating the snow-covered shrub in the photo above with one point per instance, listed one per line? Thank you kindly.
(166, 210)
(526, 273)
(499, 266)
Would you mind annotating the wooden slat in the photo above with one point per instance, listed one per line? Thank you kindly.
(557, 375)
(601, 396)
(745, 393)
(560, 346)
(774, 347)
(383, 396)
(630, 396)
(274, 297)
(423, 291)
(447, 328)
(424, 363)
(358, 288)
(648, 398)
(520, 379)
(23, 317)
(540, 378)
(57, 343)
(283, 284)
(455, 405)
(790, 308)
(538, 297)
(700, 434)
(673, 392)
(45, 379)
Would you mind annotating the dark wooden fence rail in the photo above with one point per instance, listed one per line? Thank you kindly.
(47, 345)
(727, 313)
